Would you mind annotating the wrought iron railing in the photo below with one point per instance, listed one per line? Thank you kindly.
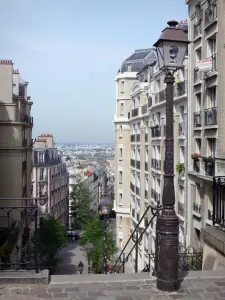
(156, 131)
(136, 238)
(211, 116)
(218, 216)
(181, 128)
(210, 168)
(197, 119)
(134, 112)
(197, 28)
(197, 208)
(214, 64)
(211, 13)
(180, 89)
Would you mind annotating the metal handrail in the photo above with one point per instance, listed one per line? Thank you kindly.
(138, 240)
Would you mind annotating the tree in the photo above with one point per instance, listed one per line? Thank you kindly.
(94, 231)
(81, 204)
(51, 237)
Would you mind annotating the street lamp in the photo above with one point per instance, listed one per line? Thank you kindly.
(171, 49)
(104, 214)
(89, 247)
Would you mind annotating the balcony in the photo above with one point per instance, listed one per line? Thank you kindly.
(181, 128)
(196, 165)
(24, 166)
(180, 208)
(146, 194)
(197, 208)
(180, 89)
(156, 164)
(138, 164)
(132, 163)
(138, 138)
(25, 118)
(211, 13)
(219, 201)
(162, 96)
(197, 29)
(146, 166)
(134, 112)
(211, 116)
(146, 138)
(210, 168)
(197, 75)
(149, 101)
(197, 119)
(214, 65)
(156, 131)
(132, 138)
(144, 109)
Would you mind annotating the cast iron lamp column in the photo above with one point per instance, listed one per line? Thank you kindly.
(171, 49)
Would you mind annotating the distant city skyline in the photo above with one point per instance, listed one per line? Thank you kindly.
(70, 53)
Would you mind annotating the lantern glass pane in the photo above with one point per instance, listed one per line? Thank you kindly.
(174, 53)
(160, 54)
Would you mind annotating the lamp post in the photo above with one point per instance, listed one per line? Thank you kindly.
(89, 247)
(171, 49)
(104, 214)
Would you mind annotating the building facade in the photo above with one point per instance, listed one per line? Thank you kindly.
(206, 165)
(50, 180)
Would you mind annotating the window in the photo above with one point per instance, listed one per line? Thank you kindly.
(121, 153)
(129, 67)
(41, 174)
(120, 176)
(198, 55)
(41, 157)
(121, 108)
(198, 102)
(181, 154)
(211, 147)
(211, 97)
(120, 198)
(198, 145)
(121, 131)
(212, 46)
(122, 86)
(120, 221)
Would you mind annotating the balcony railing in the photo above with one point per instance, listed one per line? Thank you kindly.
(197, 74)
(156, 131)
(211, 13)
(132, 138)
(197, 28)
(196, 165)
(181, 128)
(138, 164)
(162, 96)
(197, 208)
(214, 65)
(156, 164)
(219, 201)
(197, 119)
(146, 166)
(132, 162)
(211, 116)
(146, 138)
(210, 168)
(180, 208)
(180, 89)
(134, 112)
(146, 194)
(144, 109)
(25, 118)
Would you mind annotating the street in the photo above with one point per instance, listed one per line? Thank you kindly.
(70, 257)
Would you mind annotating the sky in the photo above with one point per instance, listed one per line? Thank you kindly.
(70, 52)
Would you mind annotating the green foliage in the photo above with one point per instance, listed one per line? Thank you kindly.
(94, 231)
(80, 206)
(180, 167)
(51, 237)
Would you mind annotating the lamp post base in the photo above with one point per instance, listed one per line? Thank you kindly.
(167, 257)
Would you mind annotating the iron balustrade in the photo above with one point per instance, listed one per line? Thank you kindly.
(197, 119)
(162, 96)
(180, 208)
(181, 128)
(156, 131)
(146, 166)
(144, 109)
(180, 89)
(136, 238)
(197, 28)
(197, 74)
(211, 116)
(210, 168)
(196, 165)
(211, 13)
(210, 215)
(214, 64)
(134, 112)
(219, 201)
(138, 164)
(197, 208)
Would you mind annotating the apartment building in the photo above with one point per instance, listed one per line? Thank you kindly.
(50, 180)
(15, 140)
(206, 173)
(125, 81)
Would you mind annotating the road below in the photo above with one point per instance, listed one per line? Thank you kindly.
(70, 256)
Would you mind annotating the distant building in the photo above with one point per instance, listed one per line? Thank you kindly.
(50, 180)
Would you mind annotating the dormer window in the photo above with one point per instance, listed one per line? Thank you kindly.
(129, 67)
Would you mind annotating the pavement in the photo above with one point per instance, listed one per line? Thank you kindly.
(115, 287)
(70, 256)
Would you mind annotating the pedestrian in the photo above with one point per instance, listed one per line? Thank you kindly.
(81, 267)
